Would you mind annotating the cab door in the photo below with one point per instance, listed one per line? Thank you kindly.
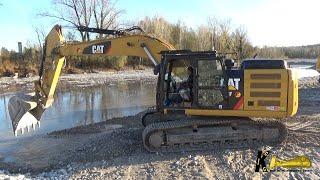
(209, 85)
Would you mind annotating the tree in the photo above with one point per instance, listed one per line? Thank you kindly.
(105, 14)
(157, 26)
(74, 12)
(242, 46)
(70, 36)
(204, 43)
(41, 35)
(213, 25)
(83, 12)
(225, 44)
(176, 34)
(4, 53)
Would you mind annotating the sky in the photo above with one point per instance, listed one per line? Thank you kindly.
(268, 22)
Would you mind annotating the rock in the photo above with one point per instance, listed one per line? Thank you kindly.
(195, 158)
(16, 75)
(63, 171)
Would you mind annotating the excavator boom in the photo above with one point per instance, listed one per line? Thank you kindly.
(26, 111)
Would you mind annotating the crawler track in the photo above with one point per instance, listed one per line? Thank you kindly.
(203, 134)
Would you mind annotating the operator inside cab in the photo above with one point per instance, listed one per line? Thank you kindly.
(184, 91)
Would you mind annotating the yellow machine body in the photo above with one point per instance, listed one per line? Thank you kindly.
(267, 93)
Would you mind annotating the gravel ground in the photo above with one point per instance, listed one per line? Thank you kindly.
(113, 150)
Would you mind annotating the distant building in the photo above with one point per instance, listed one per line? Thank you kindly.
(20, 48)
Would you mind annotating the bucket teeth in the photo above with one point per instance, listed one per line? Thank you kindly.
(25, 114)
(26, 129)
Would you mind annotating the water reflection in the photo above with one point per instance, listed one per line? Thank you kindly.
(86, 105)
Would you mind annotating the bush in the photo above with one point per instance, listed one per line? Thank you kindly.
(89, 62)
(23, 68)
(117, 62)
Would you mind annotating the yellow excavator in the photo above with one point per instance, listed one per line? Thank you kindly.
(202, 100)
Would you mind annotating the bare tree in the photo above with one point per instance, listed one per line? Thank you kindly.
(36, 48)
(70, 36)
(105, 14)
(74, 12)
(225, 40)
(203, 40)
(220, 34)
(86, 8)
(41, 35)
(213, 26)
(240, 40)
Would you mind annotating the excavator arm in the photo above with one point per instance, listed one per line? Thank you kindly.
(26, 111)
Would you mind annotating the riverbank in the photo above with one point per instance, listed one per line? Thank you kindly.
(9, 84)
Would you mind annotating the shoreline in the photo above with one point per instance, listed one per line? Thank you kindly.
(9, 84)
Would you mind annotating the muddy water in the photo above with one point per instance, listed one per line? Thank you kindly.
(86, 105)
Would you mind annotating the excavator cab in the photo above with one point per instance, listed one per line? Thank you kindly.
(191, 78)
(208, 80)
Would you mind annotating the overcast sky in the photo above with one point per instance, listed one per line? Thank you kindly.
(268, 22)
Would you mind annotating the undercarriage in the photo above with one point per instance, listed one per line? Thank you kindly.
(205, 133)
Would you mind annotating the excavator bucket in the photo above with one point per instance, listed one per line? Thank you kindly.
(24, 113)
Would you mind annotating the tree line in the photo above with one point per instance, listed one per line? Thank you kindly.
(217, 34)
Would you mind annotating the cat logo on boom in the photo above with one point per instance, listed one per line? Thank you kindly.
(97, 49)
(100, 48)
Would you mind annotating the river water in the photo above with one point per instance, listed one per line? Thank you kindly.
(86, 105)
